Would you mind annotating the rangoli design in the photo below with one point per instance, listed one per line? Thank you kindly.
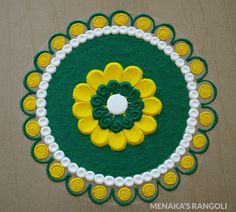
(118, 107)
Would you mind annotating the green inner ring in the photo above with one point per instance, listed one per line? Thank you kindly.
(171, 89)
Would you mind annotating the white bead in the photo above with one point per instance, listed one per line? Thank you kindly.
(61, 55)
(114, 30)
(109, 181)
(41, 112)
(49, 139)
(193, 94)
(45, 131)
(185, 143)
(119, 181)
(123, 30)
(43, 85)
(82, 38)
(55, 61)
(169, 163)
(46, 77)
(131, 31)
(191, 86)
(58, 155)
(72, 168)
(147, 36)
(41, 103)
(174, 56)
(185, 69)
(162, 169)
(74, 43)
(168, 50)
(41, 94)
(106, 30)
(43, 122)
(129, 181)
(67, 48)
(65, 162)
(194, 103)
(189, 77)
(99, 179)
(90, 34)
(147, 176)
(98, 32)
(53, 147)
(175, 157)
(187, 137)
(180, 150)
(154, 41)
(90, 175)
(190, 129)
(193, 113)
(179, 63)
(139, 33)
(81, 172)
(138, 179)
(155, 173)
(51, 69)
(161, 45)
(192, 122)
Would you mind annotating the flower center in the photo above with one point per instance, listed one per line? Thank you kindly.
(117, 104)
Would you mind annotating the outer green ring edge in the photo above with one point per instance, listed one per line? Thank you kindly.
(188, 59)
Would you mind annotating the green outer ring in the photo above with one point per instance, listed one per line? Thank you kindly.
(36, 57)
(204, 149)
(215, 119)
(124, 203)
(192, 170)
(25, 79)
(169, 26)
(51, 49)
(47, 160)
(148, 199)
(75, 193)
(31, 114)
(96, 200)
(119, 11)
(36, 138)
(66, 178)
(144, 15)
(97, 14)
(170, 188)
(71, 23)
(189, 43)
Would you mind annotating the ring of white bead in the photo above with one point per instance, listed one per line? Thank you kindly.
(90, 175)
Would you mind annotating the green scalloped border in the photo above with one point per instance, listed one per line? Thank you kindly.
(191, 150)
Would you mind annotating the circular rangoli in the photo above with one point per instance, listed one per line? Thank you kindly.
(118, 107)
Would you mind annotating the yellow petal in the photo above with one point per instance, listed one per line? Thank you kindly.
(83, 92)
(113, 71)
(146, 87)
(82, 109)
(87, 125)
(117, 141)
(134, 135)
(95, 78)
(132, 74)
(152, 106)
(99, 136)
(147, 124)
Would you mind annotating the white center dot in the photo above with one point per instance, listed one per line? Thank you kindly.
(117, 104)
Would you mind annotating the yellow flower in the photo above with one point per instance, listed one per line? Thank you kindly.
(116, 106)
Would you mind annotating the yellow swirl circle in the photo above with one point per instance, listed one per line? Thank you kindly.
(99, 21)
(144, 23)
(44, 59)
(170, 178)
(205, 91)
(164, 33)
(197, 66)
(58, 42)
(56, 170)
(76, 184)
(121, 19)
(187, 162)
(33, 80)
(99, 192)
(148, 189)
(77, 29)
(206, 118)
(29, 103)
(32, 128)
(182, 48)
(124, 194)
(199, 141)
(41, 151)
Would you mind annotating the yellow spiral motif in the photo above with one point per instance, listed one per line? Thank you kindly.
(44, 59)
(124, 194)
(121, 19)
(77, 29)
(99, 192)
(144, 23)
(199, 141)
(56, 170)
(58, 42)
(29, 103)
(164, 33)
(33, 80)
(41, 151)
(32, 128)
(148, 189)
(170, 178)
(206, 118)
(182, 48)
(187, 162)
(76, 184)
(99, 21)
(197, 66)
(205, 91)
